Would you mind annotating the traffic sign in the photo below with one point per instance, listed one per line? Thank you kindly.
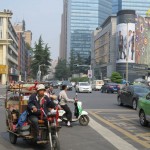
(90, 74)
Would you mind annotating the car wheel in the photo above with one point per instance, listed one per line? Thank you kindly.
(142, 118)
(134, 104)
(119, 101)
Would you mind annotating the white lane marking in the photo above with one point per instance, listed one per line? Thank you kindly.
(114, 139)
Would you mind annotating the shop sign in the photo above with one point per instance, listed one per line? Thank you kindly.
(3, 69)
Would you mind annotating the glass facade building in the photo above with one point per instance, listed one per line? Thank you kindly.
(84, 16)
(140, 6)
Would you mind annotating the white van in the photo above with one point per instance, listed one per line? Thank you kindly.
(97, 84)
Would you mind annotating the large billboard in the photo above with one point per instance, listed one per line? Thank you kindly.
(142, 40)
(126, 42)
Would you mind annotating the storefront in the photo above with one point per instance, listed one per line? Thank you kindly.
(13, 74)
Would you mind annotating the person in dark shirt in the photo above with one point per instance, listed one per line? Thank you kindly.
(36, 101)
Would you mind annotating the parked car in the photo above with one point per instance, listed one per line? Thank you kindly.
(55, 84)
(68, 83)
(97, 84)
(110, 88)
(129, 95)
(59, 83)
(83, 87)
(144, 110)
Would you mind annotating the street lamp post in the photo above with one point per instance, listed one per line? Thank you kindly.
(127, 66)
(39, 72)
(85, 66)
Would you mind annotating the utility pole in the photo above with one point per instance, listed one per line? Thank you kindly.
(127, 54)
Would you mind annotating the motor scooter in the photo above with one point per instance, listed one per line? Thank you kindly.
(79, 113)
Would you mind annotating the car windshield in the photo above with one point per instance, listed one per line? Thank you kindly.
(141, 90)
(84, 84)
(99, 82)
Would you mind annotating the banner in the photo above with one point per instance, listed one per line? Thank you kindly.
(126, 43)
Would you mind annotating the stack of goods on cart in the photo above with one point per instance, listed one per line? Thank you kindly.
(29, 88)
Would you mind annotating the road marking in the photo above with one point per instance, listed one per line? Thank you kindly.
(114, 139)
(128, 134)
(110, 110)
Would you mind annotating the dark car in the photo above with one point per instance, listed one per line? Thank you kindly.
(55, 84)
(129, 95)
(110, 88)
(68, 83)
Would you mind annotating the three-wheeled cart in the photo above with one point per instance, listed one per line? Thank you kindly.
(15, 104)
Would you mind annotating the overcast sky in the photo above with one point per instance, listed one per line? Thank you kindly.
(42, 17)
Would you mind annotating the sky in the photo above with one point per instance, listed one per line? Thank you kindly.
(42, 17)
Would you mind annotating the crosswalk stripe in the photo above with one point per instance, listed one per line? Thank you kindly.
(114, 139)
(145, 144)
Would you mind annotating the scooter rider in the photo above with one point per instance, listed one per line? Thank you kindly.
(63, 103)
(36, 101)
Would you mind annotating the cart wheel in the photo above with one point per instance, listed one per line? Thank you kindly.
(13, 138)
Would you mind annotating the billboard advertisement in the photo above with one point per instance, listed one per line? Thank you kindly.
(142, 42)
(126, 42)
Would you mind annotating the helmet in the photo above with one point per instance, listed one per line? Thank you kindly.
(40, 87)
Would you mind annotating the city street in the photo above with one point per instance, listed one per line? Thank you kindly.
(111, 127)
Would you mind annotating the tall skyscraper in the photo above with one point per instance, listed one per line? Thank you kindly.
(63, 35)
(140, 6)
(83, 16)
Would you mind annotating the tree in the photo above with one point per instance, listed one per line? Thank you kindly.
(72, 61)
(116, 77)
(148, 13)
(41, 55)
(62, 71)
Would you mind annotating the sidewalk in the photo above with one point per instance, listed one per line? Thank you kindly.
(2, 86)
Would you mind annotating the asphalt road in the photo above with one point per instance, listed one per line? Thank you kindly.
(111, 127)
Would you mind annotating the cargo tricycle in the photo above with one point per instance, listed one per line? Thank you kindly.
(16, 104)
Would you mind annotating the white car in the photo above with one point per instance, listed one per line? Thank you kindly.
(83, 87)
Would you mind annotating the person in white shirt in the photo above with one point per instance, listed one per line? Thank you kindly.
(63, 103)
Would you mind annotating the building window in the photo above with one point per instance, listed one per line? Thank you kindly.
(1, 21)
(1, 34)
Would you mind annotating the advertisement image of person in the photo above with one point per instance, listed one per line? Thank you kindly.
(133, 44)
(127, 40)
(120, 45)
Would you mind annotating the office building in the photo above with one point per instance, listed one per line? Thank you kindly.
(24, 55)
(8, 49)
(63, 35)
(140, 6)
(122, 45)
(103, 58)
(81, 17)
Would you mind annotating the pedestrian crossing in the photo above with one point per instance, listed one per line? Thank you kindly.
(121, 128)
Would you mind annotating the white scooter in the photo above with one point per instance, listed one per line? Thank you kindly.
(79, 113)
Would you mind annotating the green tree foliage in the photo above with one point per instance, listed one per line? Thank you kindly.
(148, 13)
(72, 61)
(83, 79)
(116, 77)
(62, 70)
(41, 55)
